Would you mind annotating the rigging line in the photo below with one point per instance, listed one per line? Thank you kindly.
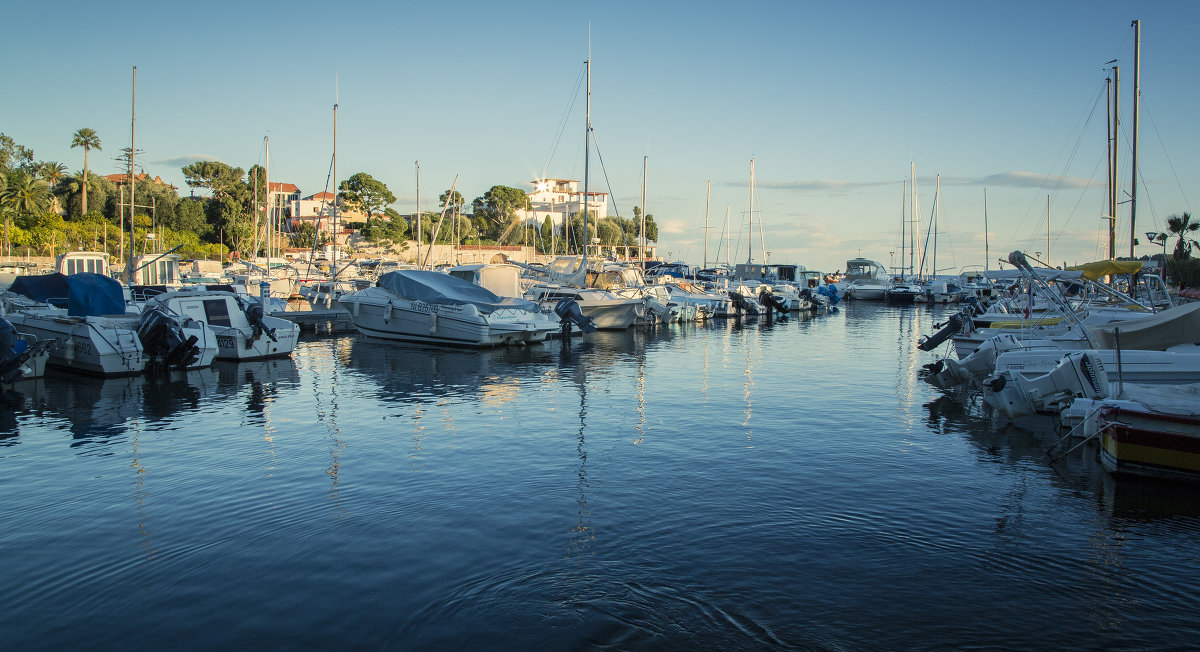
(562, 123)
(1100, 93)
(1083, 191)
(616, 209)
(321, 214)
(1170, 163)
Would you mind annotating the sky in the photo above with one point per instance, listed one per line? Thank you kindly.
(838, 104)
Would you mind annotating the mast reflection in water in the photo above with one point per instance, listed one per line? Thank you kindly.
(722, 485)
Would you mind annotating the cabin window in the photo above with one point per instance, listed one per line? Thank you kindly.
(216, 312)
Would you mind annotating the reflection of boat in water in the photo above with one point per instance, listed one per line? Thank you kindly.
(231, 375)
(99, 409)
(409, 372)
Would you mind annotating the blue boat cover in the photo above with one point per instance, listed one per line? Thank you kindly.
(85, 294)
(436, 287)
(47, 288)
(94, 294)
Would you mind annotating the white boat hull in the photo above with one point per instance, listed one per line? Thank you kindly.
(92, 345)
(379, 313)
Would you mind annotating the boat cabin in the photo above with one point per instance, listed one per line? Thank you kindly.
(76, 262)
(769, 273)
(502, 279)
(862, 269)
(156, 269)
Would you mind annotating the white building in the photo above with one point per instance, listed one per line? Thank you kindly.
(560, 198)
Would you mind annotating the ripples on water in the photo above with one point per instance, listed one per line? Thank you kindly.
(718, 486)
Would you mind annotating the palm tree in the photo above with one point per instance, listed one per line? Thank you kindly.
(87, 139)
(1183, 226)
(23, 194)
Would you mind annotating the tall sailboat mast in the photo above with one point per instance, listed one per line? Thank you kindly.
(334, 223)
(1137, 93)
(642, 227)
(270, 203)
(912, 214)
(750, 231)
(587, 142)
(418, 164)
(1114, 123)
(986, 254)
(707, 198)
(132, 177)
(903, 226)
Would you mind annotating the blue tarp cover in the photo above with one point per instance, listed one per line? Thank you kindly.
(94, 294)
(48, 288)
(85, 293)
(436, 287)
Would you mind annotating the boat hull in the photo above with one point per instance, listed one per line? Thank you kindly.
(1150, 444)
(91, 345)
(393, 318)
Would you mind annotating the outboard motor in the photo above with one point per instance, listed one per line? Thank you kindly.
(162, 339)
(1080, 374)
(948, 329)
(772, 302)
(739, 302)
(254, 315)
(568, 312)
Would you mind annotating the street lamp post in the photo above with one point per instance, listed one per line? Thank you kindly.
(1161, 240)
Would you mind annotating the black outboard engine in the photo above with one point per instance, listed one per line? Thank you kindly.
(949, 328)
(773, 303)
(254, 314)
(739, 303)
(568, 312)
(162, 339)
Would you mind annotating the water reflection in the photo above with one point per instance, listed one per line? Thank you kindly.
(418, 374)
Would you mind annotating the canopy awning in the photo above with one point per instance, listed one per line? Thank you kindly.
(1093, 271)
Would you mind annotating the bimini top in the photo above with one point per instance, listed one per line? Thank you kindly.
(436, 287)
(85, 294)
(1093, 271)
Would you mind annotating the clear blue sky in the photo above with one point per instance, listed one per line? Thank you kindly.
(832, 100)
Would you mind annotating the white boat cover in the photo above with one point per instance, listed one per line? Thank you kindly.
(1157, 332)
(439, 288)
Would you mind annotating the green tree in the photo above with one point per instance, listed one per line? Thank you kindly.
(498, 208)
(1183, 227)
(221, 178)
(88, 140)
(651, 226)
(546, 236)
(189, 217)
(305, 236)
(12, 155)
(454, 200)
(366, 193)
(608, 231)
(576, 233)
(24, 196)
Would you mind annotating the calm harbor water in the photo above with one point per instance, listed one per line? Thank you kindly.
(709, 486)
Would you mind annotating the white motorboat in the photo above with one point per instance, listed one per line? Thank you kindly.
(85, 317)
(437, 308)
(242, 330)
(865, 279)
(606, 310)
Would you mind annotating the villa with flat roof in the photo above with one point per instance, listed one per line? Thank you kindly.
(560, 198)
